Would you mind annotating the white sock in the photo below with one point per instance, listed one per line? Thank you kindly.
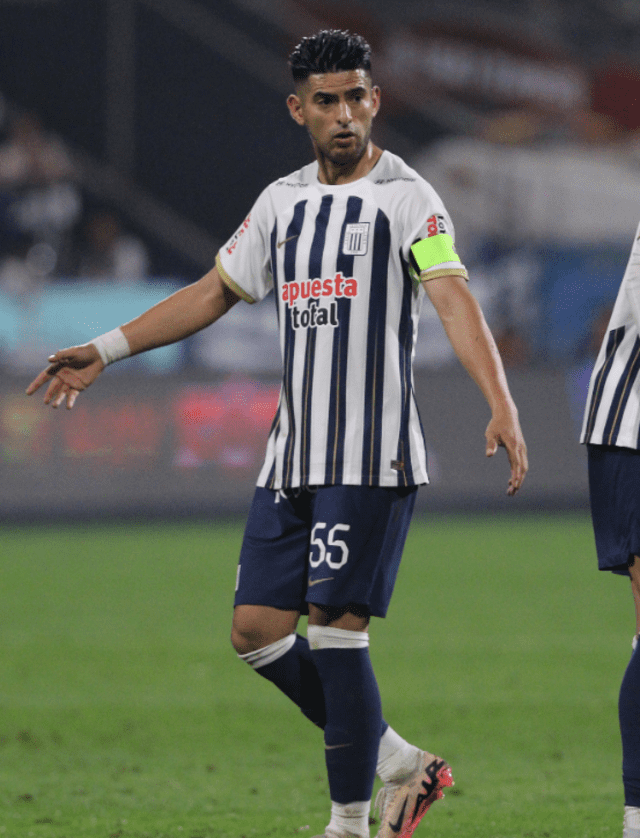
(329, 637)
(270, 653)
(352, 818)
(397, 758)
(631, 817)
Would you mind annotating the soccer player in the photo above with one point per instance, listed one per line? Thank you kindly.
(349, 245)
(611, 431)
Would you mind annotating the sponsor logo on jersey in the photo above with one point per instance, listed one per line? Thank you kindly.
(356, 239)
(384, 181)
(435, 225)
(320, 310)
(238, 235)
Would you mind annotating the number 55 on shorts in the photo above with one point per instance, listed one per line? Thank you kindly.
(327, 547)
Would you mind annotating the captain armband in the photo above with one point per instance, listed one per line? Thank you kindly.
(433, 251)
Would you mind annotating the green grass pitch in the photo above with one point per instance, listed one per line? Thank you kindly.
(124, 711)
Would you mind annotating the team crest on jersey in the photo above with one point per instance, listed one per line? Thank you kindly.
(356, 239)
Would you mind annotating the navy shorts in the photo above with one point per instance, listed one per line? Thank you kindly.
(614, 492)
(328, 545)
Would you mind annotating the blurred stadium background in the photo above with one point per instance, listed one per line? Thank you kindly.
(135, 136)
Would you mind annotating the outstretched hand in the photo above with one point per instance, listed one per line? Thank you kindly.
(70, 371)
(505, 432)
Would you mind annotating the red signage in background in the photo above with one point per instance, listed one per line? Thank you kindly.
(457, 68)
(116, 435)
(479, 66)
(225, 425)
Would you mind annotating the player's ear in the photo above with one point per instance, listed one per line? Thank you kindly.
(376, 95)
(295, 108)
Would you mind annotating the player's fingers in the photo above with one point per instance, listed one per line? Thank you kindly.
(59, 387)
(37, 382)
(519, 467)
(59, 398)
(494, 441)
(515, 482)
(53, 390)
(66, 384)
(46, 375)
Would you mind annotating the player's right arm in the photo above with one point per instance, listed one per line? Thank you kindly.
(177, 317)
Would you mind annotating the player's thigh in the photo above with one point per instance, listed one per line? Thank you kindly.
(614, 493)
(272, 568)
(357, 537)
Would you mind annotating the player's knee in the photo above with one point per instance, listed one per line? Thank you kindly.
(248, 634)
(243, 641)
(256, 627)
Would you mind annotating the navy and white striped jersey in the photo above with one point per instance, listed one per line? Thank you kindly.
(612, 415)
(348, 302)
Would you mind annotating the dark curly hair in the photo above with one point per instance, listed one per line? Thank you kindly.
(329, 51)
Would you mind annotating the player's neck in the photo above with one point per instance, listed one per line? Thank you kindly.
(336, 174)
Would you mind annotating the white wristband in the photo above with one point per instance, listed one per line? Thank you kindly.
(112, 346)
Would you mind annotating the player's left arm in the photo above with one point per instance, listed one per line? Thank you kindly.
(178, 316)
(474, 345)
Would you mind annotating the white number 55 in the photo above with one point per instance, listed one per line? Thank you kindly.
(325, 555)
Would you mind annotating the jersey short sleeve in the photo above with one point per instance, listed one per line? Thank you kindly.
(429, 247)
(244, 261)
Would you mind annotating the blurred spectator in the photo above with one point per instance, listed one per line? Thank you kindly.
(25, 269)
(31, 157)
(108, 252)
(38, 196)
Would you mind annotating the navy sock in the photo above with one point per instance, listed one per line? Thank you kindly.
(629, 713)
(354, 721)
(296, 675)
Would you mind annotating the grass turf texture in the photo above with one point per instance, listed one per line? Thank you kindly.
(124, 712)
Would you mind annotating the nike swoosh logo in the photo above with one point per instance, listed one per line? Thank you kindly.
(284, 241)
(313, 582)
(333, 747)
(396, 827)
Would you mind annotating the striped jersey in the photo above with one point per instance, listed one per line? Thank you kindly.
(612, 415)
(348, 300)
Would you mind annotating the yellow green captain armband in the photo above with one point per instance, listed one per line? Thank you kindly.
(433, 251)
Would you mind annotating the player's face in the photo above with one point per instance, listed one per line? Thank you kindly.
(338, 110)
